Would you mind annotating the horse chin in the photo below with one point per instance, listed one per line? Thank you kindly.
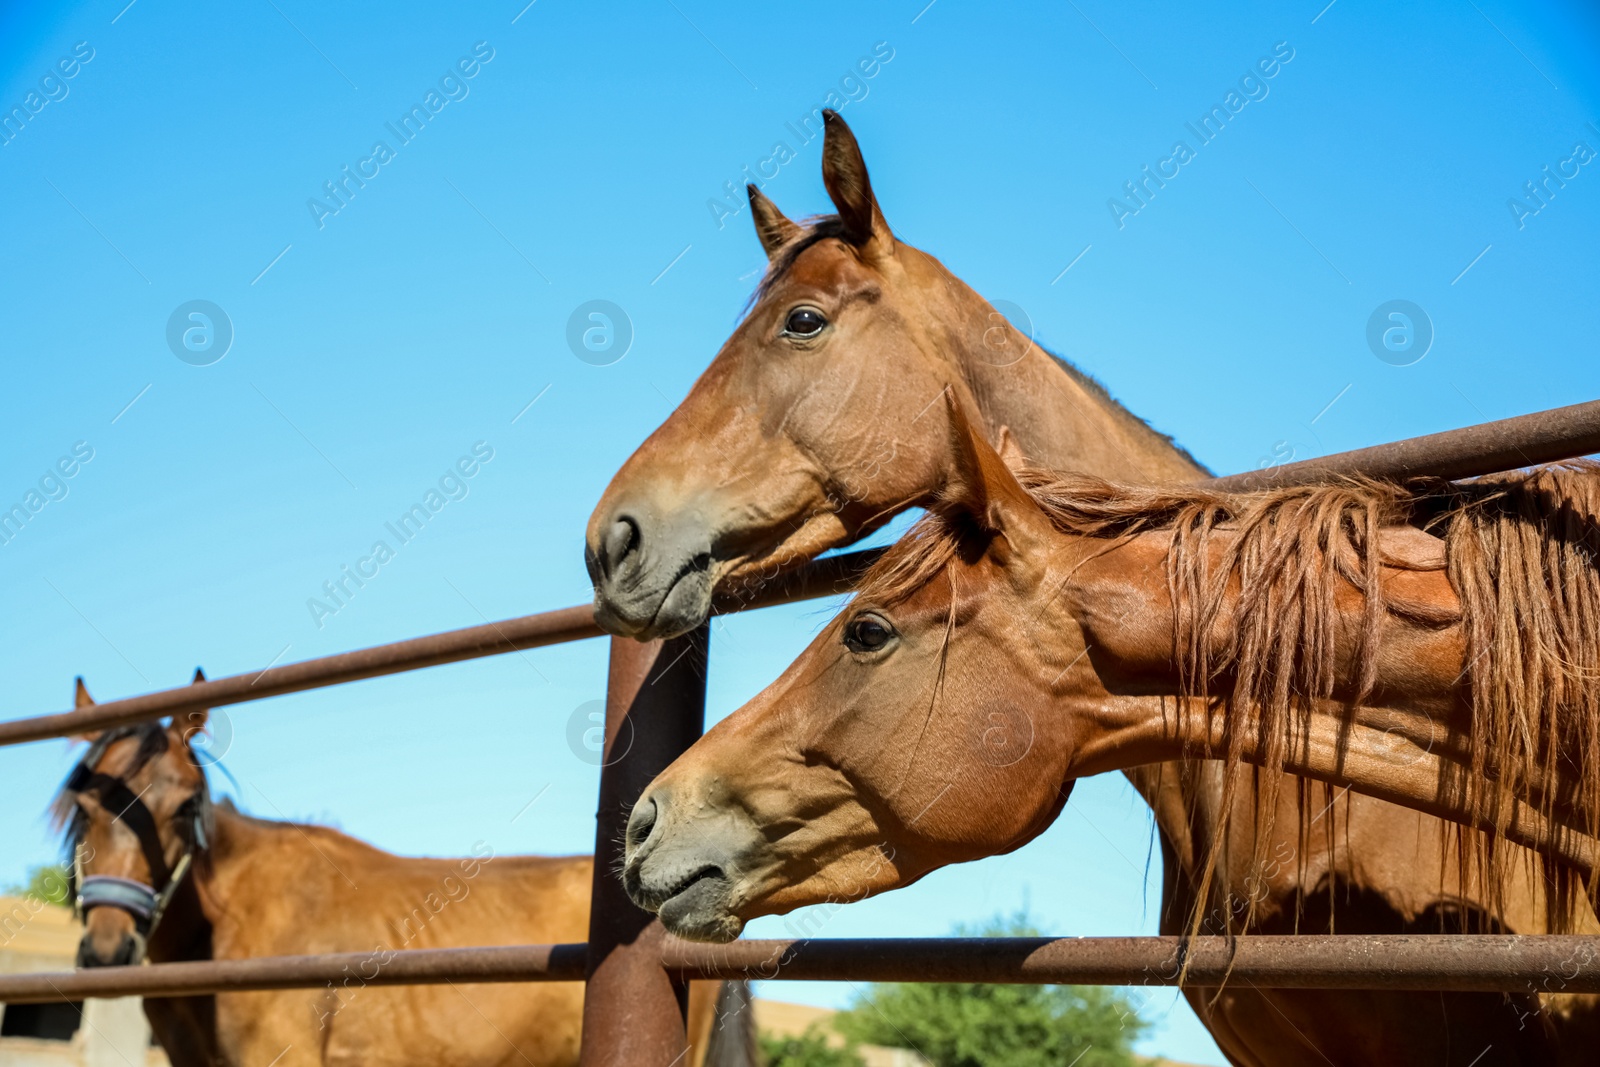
(685, 605)
(701, 912)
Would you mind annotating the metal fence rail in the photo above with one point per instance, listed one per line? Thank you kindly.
(635, 972)
(1489, 447)
(1566, 963)
(822, 578)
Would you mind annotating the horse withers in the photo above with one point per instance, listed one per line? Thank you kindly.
(165, 874)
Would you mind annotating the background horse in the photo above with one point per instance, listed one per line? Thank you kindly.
(139, 818)
(820, 418)
(873, 760)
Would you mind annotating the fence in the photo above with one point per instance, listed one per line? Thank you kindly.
(656, 691)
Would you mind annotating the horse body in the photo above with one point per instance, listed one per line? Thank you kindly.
(283, 889)
(256, 888)
(796, 440)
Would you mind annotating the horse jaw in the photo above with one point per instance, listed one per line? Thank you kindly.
(687, 874)
(701, 912)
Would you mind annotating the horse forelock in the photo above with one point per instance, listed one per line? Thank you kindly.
(815, 231)
(69, 820)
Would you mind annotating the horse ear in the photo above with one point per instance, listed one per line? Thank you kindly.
(188, 723)
(844, 172)
(982, 487)
(773, 228)
(82, 699)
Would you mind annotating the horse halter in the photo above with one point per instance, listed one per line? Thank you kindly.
(145, 903)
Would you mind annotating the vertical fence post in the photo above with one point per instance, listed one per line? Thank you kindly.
(633, 1013)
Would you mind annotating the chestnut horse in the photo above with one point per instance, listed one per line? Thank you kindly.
(1008, 645)
(162, 872)
(820, 418)
(1304, 629)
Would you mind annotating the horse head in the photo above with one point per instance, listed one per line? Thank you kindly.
(818, 420)
(136, 811)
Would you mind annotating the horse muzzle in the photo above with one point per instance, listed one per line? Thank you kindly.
(688, 875)
(650, 581)
(121, 949)
(105, 943)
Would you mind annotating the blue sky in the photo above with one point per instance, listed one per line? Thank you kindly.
(373, 347)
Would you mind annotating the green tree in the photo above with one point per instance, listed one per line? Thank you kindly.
(810, 1049)
(968, 1025)
(48, 883)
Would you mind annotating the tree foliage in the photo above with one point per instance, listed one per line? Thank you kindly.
(810, 1049)
(968, 1025)
(48, 883)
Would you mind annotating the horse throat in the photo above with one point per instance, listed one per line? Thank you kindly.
(184, 932)
(200, 901)
(186, 1027)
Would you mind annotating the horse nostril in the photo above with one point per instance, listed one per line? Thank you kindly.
(618, 543)
(129, 950)
(640, 823)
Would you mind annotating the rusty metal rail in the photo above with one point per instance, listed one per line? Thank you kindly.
(1503, 445)
(823, 578)
(452, 646)
(501, 963)
(1449, 962)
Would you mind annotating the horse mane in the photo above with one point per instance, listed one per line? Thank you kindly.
(1520, 553)
(1140, 425)
(65, 816)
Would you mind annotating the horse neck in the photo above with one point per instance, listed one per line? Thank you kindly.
(186, 1027)
(184, 932)
(1059, 417)
(214, 873)
(1062, 420)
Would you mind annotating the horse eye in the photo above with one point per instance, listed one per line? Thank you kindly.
(804, 322)
(867, 633)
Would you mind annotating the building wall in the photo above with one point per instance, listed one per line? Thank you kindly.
(781, 1019)
(36, 936)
